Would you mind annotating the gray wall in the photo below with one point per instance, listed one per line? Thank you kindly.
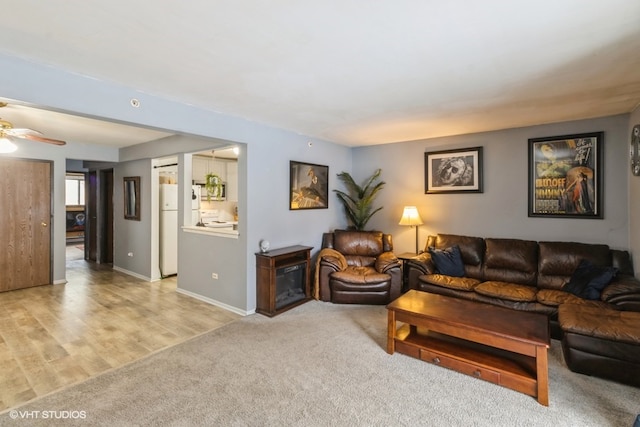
(132, 236)
(502, 210)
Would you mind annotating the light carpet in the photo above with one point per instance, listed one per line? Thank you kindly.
(319, 364)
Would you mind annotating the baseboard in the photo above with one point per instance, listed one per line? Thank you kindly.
(131, 273)
(215, 302)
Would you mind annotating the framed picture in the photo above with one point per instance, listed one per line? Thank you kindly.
(565, 176)
(308, 186)
(453, 171)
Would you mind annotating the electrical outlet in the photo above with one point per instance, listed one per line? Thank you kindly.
(214, 275)
(130, 254)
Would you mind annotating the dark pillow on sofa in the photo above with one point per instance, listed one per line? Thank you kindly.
(448, 261)
(588, 281)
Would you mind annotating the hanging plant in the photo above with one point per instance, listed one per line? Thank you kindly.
(213, 185)
(358, 200)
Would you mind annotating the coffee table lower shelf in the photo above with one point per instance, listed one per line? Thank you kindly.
(502, 367)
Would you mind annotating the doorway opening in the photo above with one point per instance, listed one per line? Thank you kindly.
(89, 213)
(75, 214)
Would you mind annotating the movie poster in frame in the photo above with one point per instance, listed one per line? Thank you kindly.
(565, 176)
(308, 186)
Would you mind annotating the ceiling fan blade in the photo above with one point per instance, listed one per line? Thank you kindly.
(40, 139)
(22, 131)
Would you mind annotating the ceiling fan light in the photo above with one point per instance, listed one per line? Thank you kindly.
(6, 146)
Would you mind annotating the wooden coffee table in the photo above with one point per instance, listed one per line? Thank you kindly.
(500, 345)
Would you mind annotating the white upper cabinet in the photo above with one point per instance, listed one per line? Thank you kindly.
(200, 166)
(232, 181)
(203, 166)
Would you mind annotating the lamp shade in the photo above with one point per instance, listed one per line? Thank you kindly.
(410, 216)
(6, 146)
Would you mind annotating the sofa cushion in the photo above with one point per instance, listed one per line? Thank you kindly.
(360, 275)
(558, 260)
(597, 321)
(509, 291)
(554, 297)
(448, 261)
(458, 283)
(511, 260)
(358, 243)
(588, 281)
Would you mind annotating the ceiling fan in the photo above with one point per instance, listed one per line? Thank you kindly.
(8, 133)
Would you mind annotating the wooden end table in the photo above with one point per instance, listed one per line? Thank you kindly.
(404, 257)
(497, 344)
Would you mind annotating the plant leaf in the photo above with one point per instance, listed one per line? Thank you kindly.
(358, 200)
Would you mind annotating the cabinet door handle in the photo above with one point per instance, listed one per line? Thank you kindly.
(44, 224)
(436, 360)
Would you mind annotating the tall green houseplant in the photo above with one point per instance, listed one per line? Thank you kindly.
(358, 200)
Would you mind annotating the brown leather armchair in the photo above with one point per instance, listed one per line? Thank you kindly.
(358, 267)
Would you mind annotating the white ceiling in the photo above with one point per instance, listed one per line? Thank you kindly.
(356, 72)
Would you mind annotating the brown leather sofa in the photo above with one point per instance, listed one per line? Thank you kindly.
(358, 267)
(529, 275)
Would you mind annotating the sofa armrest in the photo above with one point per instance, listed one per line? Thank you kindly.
(416, 267)
(329, 261)
(623, 292)
(335, 262)
(422, 262)
(386, 261)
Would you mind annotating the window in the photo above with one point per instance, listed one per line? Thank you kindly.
(74, 189)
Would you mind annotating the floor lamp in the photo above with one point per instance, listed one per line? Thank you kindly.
(411, 217)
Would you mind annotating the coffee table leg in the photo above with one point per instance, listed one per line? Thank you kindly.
(391, 331)
(542, 372)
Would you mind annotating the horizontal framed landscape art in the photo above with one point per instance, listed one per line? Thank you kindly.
(308, 186)
(565, 176)
(453, 171)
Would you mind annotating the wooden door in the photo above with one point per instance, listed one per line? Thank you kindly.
(106, 201)
(25, 229)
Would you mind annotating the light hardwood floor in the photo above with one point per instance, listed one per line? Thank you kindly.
(58, 335)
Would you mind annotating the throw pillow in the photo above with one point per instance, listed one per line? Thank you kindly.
(448, 261)
(588, 281)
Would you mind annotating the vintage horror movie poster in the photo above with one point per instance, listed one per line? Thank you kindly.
(565, 176)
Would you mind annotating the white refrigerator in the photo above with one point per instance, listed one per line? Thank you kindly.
(169, 225)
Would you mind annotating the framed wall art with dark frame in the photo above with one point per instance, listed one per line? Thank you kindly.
(565, 176)
(308, 186)
(453, 171)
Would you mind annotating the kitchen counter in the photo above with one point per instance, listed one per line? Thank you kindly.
(220, 230)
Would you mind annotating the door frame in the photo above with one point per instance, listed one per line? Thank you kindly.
(99, 205)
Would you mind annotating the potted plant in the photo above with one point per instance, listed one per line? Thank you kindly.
(358, 200)
(213, 185)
